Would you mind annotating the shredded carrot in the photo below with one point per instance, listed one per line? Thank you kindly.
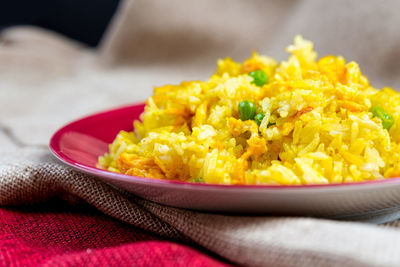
(139, 166)
(303, 111)
(351, 106)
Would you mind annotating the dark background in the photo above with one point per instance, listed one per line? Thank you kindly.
(82, 20)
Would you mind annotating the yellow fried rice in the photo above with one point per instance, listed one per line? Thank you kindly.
(318, 127)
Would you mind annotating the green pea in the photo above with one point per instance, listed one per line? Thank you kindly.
(258, 118)
(260, 77)
(387, 119)
(197, 180)
(378, 111)
(247, 110)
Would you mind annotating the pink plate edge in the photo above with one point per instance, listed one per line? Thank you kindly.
(56, 151)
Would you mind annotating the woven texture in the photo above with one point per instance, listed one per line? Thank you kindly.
(58, 235)
(47, 80)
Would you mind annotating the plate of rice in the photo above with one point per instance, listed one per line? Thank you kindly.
(304, 136)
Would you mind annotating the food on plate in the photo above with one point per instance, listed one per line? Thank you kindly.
(300, 121)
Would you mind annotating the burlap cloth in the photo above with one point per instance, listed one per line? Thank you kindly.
(47, 80)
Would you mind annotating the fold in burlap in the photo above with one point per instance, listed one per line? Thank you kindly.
(47, 80)
(247, 240)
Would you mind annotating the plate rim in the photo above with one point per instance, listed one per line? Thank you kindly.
(56, 151)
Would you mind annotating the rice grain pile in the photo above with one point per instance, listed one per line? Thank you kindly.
(319, 122)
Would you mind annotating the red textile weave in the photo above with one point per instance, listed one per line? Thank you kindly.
(59, 235)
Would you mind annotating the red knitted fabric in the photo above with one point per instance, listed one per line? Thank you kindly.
(62, 235)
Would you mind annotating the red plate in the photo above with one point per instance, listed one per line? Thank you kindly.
(80, 143)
